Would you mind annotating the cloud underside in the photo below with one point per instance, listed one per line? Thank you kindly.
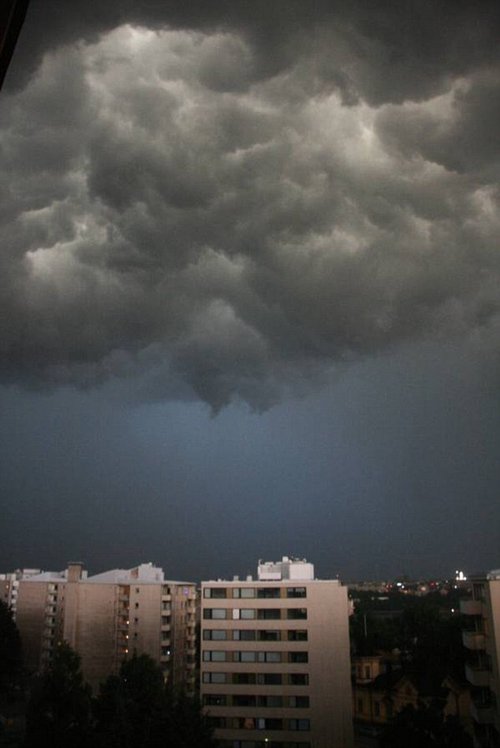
(177, 210)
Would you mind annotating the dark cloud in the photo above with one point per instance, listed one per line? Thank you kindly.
(227, 201)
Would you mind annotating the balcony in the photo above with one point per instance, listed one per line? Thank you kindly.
(483, 714)
(478, 675)
(166, 598)
(165, 627)
(473, 640)
(471, 607)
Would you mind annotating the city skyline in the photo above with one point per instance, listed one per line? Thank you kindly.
(250, 287)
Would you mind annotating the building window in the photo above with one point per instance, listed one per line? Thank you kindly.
(360, 706)
(244, 700)
(214, 699)
(272, 635)
(299, 679)
(212, 655)
(244, 636)
(214, 677)
(215, 634)
(367, 672)
(243, 679)
(244, 592)
(272, 723)
(299, 724)
(298, 702)
(244, 656)
(268, 592)
(269, 656)
(298, 657)
(218, 593)
(376, 707)
(296, 592)
(297, 635)
(214, 613)
(271, 702)
(269, 614)
(269, 679)
(247, 613)
(295, 614)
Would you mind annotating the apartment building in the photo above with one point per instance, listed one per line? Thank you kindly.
(109, 617)
(481, 638)
(275, 668)
(9, 587)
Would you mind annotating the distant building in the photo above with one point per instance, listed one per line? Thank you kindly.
(9, 586)
(275, 669)
(481, 638)
(109, 617)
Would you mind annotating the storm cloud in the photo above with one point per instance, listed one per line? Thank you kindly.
(228, 202)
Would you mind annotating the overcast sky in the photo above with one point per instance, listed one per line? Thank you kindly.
(249, 286)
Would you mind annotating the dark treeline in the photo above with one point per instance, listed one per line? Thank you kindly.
(133, 709)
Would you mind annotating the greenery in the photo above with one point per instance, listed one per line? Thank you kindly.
(424, 727)
(133, 709)
(59, 707)
(421, 628)
(10, 654)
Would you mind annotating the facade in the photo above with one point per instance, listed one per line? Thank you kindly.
(481, 638)
(275, 669)
(9, 587)
(109, 617)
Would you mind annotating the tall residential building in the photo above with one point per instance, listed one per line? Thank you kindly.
(9, 586)
(275, 669)
(109, 617)
(481, 638)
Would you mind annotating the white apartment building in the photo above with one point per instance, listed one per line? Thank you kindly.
(275, 669)
(481, 638)
(108, 617)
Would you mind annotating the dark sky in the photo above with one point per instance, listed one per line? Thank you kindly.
(249, 286)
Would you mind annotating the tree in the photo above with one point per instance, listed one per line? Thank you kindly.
(135, 709)
(59, 708)
(10, 652)
(424, 728)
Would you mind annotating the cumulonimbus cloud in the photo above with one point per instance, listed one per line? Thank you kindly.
(176, 208)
